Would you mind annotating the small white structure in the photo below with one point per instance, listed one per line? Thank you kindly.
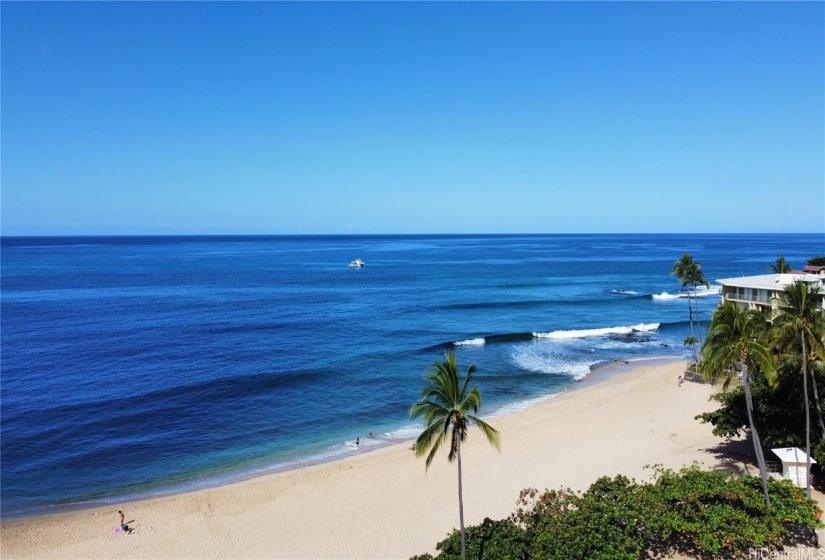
(794, 464)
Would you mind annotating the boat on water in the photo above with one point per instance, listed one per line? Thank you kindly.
(357, 263)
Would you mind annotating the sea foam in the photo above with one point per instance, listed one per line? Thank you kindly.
(583, 333)
(470, 342)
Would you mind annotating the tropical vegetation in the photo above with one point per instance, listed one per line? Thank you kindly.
(779, 400)
(733, 346)
(816, 261)
(800, 322)
(449, 406)
(780, 266)
(691, 512)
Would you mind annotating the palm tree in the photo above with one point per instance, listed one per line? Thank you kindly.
(788, 350)
(799, 315)
(689, 273)
(682, 270)
(697, 278)
(734, 340)
(816, 364)
(780, 266)
(449, 410)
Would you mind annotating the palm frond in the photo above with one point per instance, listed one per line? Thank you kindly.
(447, 410)
(491, 433)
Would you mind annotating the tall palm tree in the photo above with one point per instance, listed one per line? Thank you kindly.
(816, 365)
(734, 340)
(449, 410)
(780, 266)
(682, 270)
(697, 278)
(799, 316)
(690, 275)
(788, 350)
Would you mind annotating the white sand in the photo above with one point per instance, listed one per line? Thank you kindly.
(382, 504)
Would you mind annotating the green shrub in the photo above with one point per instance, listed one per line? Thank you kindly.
(604, 523)
(692, 512)
(492, 540)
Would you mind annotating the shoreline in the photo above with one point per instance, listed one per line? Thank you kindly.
(599, 374)
(382, 504)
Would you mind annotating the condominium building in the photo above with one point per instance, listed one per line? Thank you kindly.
(763, 292)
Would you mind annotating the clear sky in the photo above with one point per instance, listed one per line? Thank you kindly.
(235, 118)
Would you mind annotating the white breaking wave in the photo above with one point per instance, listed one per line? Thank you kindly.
(625, 292)
(521, 405)
(701, 292)
(546, 360)
(566, 335)
(664, 296)
(470, 342)
(705, 292)
(406, 432)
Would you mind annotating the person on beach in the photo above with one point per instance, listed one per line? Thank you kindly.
(679, 381)
(123, 526)
(357, 441)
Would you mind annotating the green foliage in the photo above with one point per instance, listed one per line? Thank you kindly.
(492, 540)
(781, 266)
(604, 523)
(818, 451)
(713, 513)
(690, 512)
(816, 261)
(777, 411)
(448, 409)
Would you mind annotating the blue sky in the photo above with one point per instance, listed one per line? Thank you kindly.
(235, 118)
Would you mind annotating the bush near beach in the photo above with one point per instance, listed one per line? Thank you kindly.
(779, 410)
(692, 512)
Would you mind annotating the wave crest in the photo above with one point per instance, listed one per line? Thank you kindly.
(701, 292)
(470, 342)
(583, 333)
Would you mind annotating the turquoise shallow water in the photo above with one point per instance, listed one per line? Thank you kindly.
(196, 361)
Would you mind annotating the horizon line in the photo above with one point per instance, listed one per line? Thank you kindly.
(453, 234)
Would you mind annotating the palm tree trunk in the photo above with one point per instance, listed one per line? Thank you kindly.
(698, 323)
(807, 414)
(757, 445)
(690, 314)
(461, 504)
(818, 406)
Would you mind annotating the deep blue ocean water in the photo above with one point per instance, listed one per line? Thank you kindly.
(139, 366)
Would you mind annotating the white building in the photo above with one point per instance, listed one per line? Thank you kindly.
(794, 465)
(763, 292)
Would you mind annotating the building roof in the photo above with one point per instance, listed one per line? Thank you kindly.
(769, 281)
(792, 455)
(814, 269)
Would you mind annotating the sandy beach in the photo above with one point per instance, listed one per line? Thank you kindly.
(382, 504)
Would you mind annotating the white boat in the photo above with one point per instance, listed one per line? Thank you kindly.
(357, 263)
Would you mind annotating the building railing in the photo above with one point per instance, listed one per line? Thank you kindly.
(748, 299)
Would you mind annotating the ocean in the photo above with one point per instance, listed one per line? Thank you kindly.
(144, 366)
